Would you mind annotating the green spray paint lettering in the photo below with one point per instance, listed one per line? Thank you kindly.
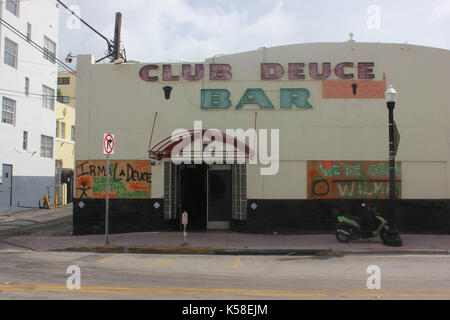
(346, 189)
(336, 171)
(372, 170)
(115, 185)
(383, 169)
(326, 172)
(348, 170)
(132, 195)
(379, 188)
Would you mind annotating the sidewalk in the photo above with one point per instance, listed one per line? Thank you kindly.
(228, 243)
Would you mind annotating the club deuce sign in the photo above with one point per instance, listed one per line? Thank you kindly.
(220, 98)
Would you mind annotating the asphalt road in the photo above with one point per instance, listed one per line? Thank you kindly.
(53, 222)
(42, 275)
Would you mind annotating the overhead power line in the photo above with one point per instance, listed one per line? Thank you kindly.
(35, 45)
(38, 95)
(110, 45)
(113, 50)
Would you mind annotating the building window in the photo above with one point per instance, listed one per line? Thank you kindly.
(46, 147)
(72, 134)
(25, 140)
(49, 50)
(13, 6)
(11, 49)
(63, 80)
(48, 97)
(28, 31)
(8, 111)
(63, 99)
(27, 86)
(63, 130)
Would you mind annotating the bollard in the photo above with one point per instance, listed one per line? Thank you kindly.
(46, 201)
(184, 221)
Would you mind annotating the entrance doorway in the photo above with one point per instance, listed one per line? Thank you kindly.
(193, 194)
(67, 178)
(206, 195)
(6, 186)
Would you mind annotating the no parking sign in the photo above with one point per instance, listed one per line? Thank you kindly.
(108, 143)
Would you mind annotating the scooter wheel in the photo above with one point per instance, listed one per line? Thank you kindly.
(342, 237)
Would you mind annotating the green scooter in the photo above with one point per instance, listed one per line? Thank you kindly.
(351, 227)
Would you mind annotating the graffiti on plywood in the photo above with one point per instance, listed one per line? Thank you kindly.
(129, 179)
(351, 180)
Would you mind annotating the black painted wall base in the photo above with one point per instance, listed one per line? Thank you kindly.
(316, 216)
(125, 216)
(281, 216)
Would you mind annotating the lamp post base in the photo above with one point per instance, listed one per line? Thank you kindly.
(393, 239)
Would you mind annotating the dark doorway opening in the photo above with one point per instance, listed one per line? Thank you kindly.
(67, 178)
(194, 195)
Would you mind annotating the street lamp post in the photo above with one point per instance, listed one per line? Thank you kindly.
(393, 236)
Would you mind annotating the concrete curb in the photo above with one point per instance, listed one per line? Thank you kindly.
(399, 252)
(252, 251)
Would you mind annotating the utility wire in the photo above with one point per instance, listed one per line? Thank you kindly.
(111, 46)
(35, 45)
(27, 94)
(109, 43)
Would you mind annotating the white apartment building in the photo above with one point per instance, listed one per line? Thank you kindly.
(28, 86)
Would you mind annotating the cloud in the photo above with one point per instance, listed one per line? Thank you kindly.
(178, 30)
(441, 11)
(194, 30)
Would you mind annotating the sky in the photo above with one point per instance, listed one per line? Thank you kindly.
(194, 30)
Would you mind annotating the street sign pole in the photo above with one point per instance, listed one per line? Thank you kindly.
(107, 201)
(108, 149)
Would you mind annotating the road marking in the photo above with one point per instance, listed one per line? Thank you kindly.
(233, 292)
(107, 260)
(235, 263)
(406, 256)
(164, 263)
